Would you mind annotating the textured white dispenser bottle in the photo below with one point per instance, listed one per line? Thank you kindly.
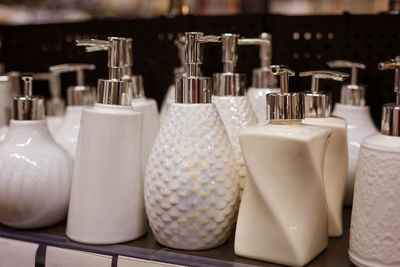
(318, 112)
(353, 109)
(107, 204)
(375, 218)
(283, 214)
(229, 96)
(35, 172)
(191, 186)
(78, 97)
(263, 82)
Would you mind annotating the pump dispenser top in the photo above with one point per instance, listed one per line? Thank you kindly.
(353, 93)
(391, 111)
(194, 88)
(28, 106)
(115, 90)
(284, 105)
(180, 44)
(317, 104)
(80, 94)
(229, 82)
(262, 76)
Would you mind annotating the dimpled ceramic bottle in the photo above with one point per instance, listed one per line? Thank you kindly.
(78, 97)
(353, 109)
(35, 172)
(229, 90)
(191, 186)
(107, 204)
(375, 218)
(283, 214)
(318, 112)
(263, 82)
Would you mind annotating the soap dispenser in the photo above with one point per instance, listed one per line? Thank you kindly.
(283, 214)
(375, 222)
(78, 97)
(9, 87)
(263, 82)
(169, 97)
(191, 184)
(318, 112)
(353, 109)
(107, 204)
(229, 96)
(35, 171)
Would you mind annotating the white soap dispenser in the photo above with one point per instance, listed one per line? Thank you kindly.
(191, 184)
(229, 96)
(263, 82)
(375, 218)
(353, 109)
(169, 97)
(78, 97)
(35, 172)
(107, 204)
(318, 112)
(283, 214)
(9, 87)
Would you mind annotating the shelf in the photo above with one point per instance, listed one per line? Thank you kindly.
(153, 254)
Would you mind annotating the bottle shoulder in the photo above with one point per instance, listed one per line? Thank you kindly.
(112, 110)
(334, 122)
(382, 142)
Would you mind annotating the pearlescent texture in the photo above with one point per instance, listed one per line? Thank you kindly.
(191, 186)
(258, 101)
(375, 219)
(34, 177)
(236, 114)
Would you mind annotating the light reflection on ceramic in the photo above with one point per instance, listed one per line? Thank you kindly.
(236, 114)
(359, 125)
(191, 186)
(375, 219)
(283, 214)
(258, 101)
(34, 177)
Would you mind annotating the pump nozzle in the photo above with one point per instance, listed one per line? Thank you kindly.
(284, 73)
(317, 103)
(348, 64)
(393, 64)
(55, 105)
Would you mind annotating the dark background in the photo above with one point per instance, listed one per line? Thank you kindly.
(301, 42)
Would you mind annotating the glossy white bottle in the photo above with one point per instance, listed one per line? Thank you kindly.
(317, 112)
(283, 214)
(375, 223)
(263, 82)
(357, 115)
(35, 172)
(191, 186)
(107, 204)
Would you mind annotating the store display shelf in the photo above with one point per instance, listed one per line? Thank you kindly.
(147, 249)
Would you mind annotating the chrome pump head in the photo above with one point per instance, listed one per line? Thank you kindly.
(351, 94)
(115, 90)
(28, 106)
(193, 88)
(284, 105)
(317, 104)
(80, 94)
(229, 82)
(391, 111)
(55, 106)
(262, 77)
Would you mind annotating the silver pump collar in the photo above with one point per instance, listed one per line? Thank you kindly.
(391, 112)
(284, 105)
(27, 106)
(227, 83)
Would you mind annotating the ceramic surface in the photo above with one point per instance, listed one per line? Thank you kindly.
(68, 133)
(375, 220)
(107, 204)
(3, 132)
(54, 123)
(283, 214)
(236, 114)
(191, 186)
(258, 101)
(169, 99)
(335, 170)
(151, 125)
(359, 125)
(35, 177)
